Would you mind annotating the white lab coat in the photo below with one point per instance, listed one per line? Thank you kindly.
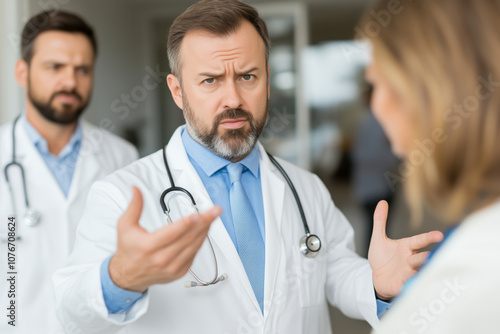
(458, 291)
(44, 248)
(296, 287)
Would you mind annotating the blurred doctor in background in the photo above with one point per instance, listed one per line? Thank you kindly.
(49, 159)
(436, 78)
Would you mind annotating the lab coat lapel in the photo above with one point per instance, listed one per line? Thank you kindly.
(87, 168)
(186, 176)
(273, 191)
(86, 172)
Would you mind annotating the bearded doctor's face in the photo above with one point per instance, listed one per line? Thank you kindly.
(59, 77)
(223, 89)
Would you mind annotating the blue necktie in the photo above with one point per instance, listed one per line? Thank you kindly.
(249, 242)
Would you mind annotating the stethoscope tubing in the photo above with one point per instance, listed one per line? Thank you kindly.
(15, 163)
(294, 192)
(166, 210)
(31, 216)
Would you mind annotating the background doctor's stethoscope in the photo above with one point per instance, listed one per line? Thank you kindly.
(31, 215)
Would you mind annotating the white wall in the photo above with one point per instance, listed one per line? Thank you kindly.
(11, 96)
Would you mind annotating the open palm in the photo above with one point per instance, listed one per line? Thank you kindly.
(394, 261)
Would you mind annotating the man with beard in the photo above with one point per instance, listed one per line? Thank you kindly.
(49, 158)
(130, 269)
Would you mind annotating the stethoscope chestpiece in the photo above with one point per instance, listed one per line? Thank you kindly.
(31, 217)
(309, 245)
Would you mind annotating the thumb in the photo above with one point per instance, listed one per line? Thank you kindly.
(380, 220)
(131, 216)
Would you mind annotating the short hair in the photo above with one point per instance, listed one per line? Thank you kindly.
(442, 71)
(219, 17)
(49, 21)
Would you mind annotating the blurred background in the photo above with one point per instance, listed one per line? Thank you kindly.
(319, 107)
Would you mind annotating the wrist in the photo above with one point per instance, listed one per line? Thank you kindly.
(119, 278)
(381, 297)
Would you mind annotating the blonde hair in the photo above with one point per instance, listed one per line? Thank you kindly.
(441, 59)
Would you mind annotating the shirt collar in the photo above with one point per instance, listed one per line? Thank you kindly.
(210, 163)
(38, 141)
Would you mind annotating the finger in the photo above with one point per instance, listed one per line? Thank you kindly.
(184, 247)
(186, 228)
(179, 250)
(425, 239)
(171, 247)
(182, 258)
(416, 260)
(132, 214)
(379, 220)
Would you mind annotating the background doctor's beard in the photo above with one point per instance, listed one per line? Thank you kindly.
(66, 115)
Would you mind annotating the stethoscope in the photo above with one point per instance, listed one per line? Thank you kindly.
(31, 215)
(309, 244)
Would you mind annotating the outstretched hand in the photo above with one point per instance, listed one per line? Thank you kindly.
(143, 259)
(394, 261)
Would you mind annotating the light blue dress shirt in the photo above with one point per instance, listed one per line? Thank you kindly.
(62, 166)
(382, 307)
(212, 171)
(117, 300)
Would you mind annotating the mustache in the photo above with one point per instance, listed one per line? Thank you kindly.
(233, 114)
(73, 93)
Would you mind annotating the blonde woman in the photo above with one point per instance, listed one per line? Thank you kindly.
(436, 73)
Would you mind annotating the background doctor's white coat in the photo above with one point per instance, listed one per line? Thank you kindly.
(43, 248)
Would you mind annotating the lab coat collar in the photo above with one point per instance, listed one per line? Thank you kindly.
(273, 196)
(36, 138)
(178, 158)
(86, 168)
